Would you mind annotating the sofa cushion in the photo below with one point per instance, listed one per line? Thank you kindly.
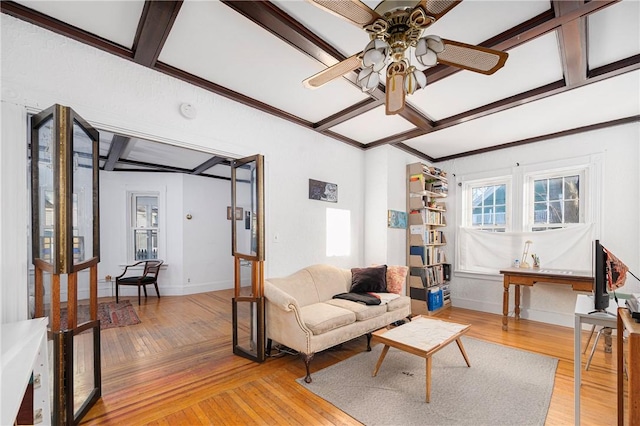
(398, 303)
(322, 317)
(299, 285)
(396, 276)
(372, 279)
(329, 280)
(363, 312)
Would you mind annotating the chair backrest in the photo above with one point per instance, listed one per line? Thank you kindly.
(152, 267)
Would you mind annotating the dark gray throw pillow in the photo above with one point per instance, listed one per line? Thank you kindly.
(372, 279)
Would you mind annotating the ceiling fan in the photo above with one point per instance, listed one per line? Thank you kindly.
(395, 29)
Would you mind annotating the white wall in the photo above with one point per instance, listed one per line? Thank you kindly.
(197, 252)
(385, 189)
(620, 216)
(40, 68)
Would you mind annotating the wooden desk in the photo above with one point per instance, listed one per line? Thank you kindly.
(625, 322)
(578, 280)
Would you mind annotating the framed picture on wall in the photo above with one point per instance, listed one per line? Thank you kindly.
(323, 191)
(397, 219)
(239, 213)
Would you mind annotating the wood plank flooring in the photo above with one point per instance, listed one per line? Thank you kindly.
(177, 368)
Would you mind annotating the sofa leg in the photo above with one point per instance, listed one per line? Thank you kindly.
(368, 342)
(269, 342)
(307, 361)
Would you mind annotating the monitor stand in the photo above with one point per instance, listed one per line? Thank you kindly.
(602, 311)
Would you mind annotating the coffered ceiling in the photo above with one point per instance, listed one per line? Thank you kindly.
(572, 66)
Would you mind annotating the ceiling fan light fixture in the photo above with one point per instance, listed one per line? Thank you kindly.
(434, 43)
(375, 54)
(368, 79)
(373, 58)
(424, 54)
(414, 80)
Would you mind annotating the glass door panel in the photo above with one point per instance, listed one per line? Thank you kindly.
(247, 194)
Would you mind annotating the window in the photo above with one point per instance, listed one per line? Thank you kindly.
(549, 199)
(556, 200)
(486, 206)
(144, 226)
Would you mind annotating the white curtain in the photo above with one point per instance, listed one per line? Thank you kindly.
(488, 252)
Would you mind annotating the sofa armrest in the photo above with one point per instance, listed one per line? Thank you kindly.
(279, 298)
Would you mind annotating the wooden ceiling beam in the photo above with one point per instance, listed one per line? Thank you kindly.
(153, 28)
(228, 93)
(348, 113)
(563, 133)
(280, 24)
(118, 146)
(572, 38)
(527, 31)
(207, 165)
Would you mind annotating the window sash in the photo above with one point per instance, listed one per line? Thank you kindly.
(487, 205)
(144, 230)
(551, 202)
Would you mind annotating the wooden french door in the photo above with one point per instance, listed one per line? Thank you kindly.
(247, 234)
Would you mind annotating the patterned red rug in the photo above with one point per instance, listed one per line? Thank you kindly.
(110, 314)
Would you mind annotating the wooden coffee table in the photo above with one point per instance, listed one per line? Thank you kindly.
(423, 336)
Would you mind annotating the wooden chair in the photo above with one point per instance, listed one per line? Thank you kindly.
(149, 276)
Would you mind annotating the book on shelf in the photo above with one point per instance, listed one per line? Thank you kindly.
(429, 276)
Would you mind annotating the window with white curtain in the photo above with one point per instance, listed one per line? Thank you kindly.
(556, 204)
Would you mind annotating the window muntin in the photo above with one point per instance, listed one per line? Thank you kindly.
(557, 200)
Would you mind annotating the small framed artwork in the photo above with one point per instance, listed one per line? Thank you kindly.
(397, 219)
(239, 213)
(323, 191)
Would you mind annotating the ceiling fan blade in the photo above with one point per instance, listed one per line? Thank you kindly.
(394, 93)
(437, 8)
(472, 58)
(353, 11)
(334, 71)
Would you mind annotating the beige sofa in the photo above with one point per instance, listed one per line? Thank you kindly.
(301, 313)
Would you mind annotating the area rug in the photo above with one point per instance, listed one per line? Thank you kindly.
(110, 314)
(504, 386)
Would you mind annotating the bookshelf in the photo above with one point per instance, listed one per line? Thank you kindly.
(429, 271)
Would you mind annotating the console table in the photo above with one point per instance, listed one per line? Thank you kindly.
(578, 280)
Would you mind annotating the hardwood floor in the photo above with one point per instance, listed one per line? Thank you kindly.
(177, 368)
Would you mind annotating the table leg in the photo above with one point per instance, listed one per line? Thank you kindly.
(505, 303)
(428, 390)
(577, 367)
(516, 301)
(382, 355)
(464, 353)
